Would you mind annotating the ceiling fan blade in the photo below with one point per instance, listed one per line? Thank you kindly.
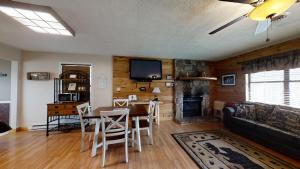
(262, 26)
(237, 1)
(229, 24)
(241, 1)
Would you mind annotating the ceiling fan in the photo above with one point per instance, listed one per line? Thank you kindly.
(265, 12)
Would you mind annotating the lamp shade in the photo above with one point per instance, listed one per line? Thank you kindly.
(156, 90)
(270, 8)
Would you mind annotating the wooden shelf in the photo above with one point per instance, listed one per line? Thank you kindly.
(72, 79)
(163, 81)
(198, 78)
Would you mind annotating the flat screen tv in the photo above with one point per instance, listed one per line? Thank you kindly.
(145, 70)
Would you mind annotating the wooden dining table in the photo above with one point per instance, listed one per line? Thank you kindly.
(135, 111)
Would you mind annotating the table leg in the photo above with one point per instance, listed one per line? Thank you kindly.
(138, 135)
(96, 133)
(157, 114)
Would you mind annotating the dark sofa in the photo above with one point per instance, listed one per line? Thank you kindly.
(276, 127)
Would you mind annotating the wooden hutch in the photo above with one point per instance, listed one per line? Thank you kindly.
(70, 89)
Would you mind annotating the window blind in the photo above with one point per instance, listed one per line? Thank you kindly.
(280, 87)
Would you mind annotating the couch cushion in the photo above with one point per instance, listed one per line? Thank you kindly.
(250, 112)
(263, 111)
(286, 120)
(246, 111)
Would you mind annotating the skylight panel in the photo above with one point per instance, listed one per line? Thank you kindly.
(64, 32)
(46, 16)
(51, 31)
(11, 12)
(42, 24)
(25, 21)
(37, 29)
(56, 25)
(29, 14)
(42, 19)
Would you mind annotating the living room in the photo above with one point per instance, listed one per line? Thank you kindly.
(189, 84)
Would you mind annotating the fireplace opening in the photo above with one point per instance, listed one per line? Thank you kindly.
(192, 106)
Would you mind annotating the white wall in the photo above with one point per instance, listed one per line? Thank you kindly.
(13, 55)
(37, 94)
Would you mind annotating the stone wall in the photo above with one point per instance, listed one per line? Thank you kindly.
(191, 68)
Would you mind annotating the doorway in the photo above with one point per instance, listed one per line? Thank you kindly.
(5, 91)
(84, 69)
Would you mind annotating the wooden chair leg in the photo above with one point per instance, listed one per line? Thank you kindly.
(103, 153)
(82, 142)
(133, 141)
(126, 149)
(151, 134)
(157, 114)
(90, 137)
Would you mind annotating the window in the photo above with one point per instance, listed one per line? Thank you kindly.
(274, 87)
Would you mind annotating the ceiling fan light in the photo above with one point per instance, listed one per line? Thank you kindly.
(270, 8)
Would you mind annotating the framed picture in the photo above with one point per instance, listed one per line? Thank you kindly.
(72, 87)
(169, 84)
(38, 76)
(73, 76)
(169, 77)
(228, 80)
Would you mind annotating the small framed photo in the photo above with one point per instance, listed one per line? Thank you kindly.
(73, 76)
(228, 80)
(169, 84)
(169, 77)
(72, 87)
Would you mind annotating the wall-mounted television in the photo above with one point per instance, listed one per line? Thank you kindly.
(145, 70)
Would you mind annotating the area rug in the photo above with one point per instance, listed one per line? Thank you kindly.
(219, 150)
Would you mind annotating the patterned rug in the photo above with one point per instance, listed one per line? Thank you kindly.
(217, 150)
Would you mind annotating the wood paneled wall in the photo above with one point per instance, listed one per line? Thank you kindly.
(237, 93)
(128, 87)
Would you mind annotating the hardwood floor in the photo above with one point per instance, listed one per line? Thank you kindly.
(33, 150)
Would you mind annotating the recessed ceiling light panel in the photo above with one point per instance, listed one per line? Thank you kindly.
(41, 19)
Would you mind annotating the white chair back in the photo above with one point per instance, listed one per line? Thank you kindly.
(151, 108)
(114, 123)
(82, 110)
(121, 102)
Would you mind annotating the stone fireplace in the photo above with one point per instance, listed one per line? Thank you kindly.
(192, 106)
(192, 96)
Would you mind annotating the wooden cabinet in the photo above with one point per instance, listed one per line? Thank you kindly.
(57, 112)
(62, 109)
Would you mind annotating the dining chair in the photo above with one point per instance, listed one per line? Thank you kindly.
(86, 126)
(114, 130)
(121, 102)
(146, 123)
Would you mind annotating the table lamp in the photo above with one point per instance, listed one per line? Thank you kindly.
(156, 91)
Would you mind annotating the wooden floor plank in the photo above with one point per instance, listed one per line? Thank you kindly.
(33, 150)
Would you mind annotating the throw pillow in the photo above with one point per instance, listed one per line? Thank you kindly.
(286, 120)
(250, 112)
(263, 111)
(240, 111)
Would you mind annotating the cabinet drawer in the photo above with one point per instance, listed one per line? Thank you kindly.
(71, 107)
(69, 112)
(54, 113)
(56, 107)
(62, 113)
